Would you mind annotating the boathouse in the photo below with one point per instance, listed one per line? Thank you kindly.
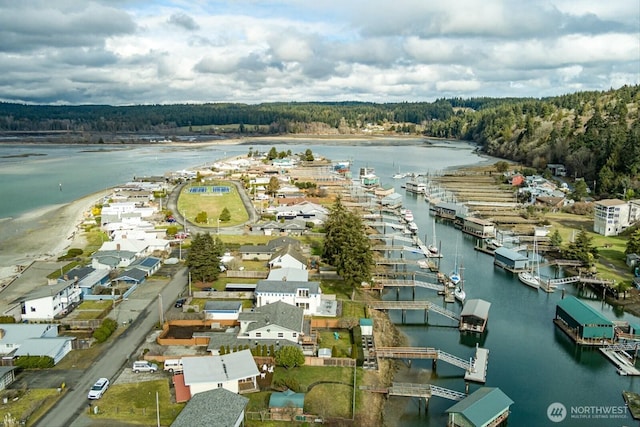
(449, 210)
(474, 315)
(510, 259)
(583, 323)
(487, 406)
(366, 326)
(478, 227)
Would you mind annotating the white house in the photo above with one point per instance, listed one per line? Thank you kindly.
(48, 301)
(139, 247)
(289, 273)
(222, 310)
(288, 257)
(611, 216)
(110, 260)
(13, 335)
(235, 372)
(306, 295)
(277, 321)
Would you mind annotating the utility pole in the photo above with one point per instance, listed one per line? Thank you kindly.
(160, 310)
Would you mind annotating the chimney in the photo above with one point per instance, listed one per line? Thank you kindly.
(2, 332)
(118, 247)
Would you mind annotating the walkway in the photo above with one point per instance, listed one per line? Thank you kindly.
(412, 305)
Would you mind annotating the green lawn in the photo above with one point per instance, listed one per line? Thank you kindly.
(135, 403)
(31, 404)
(191, 204)
(342, 345)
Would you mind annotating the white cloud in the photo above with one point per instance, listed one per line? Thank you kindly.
(123, 52)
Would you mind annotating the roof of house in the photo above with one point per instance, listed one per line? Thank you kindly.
(289, 273)
(132, 274)
(216, 369)
(46, 346)
(214, 408)
(482, 406)
(476, 308)
(77, 272)
(4, 370)
(118, 255)
(286, 399)
(292, 251)
(280, 242)
(147, 262)
(124, 245)
(47, 290)
(222, 306)
(278, 313)
(17, 333)
(610, 202)
(366, 322)
(583, 313)
(286, 286)
(510, 254)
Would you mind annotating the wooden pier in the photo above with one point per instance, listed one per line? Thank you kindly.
(412, 305)
(619, 356)
(423, 391)
(475, 368)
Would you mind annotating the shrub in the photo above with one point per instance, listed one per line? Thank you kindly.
(34, 362)
(289, 382)
(105, 330)
(7, 319)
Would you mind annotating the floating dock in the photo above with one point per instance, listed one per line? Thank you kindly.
(618, 355)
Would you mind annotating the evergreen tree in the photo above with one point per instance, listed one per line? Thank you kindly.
(225, 215)
(633, 245)
(273, 186)
(346, 245)
(204, 255)
(273, 154)
(556, 239)
(582, 249)
(289, 356)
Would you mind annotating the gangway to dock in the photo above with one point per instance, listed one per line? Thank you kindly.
(424, 391)
(618, 355)
(579, 279)
(412, 305)
(409, 283)
(475, 368)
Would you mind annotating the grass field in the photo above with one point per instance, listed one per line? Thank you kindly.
(191, 204)
(30, 406)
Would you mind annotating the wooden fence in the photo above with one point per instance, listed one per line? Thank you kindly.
(246, 274)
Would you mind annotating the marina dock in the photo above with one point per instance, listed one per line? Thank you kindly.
(412, 305)
(619, 356)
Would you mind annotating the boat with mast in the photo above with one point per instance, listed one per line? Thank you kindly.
(458, 292)
(433, 248)
(531, 277)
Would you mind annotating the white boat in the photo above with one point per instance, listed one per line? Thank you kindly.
(413, 227)
(454, 277)
(408, 216)
(494, 242)
(432, 247)
(459, 294)
(531, 277)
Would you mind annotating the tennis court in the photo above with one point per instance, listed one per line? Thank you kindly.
(216, 189)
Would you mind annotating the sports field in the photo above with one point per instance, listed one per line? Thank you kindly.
(212, 197)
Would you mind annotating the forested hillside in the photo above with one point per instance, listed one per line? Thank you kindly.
(596, 135)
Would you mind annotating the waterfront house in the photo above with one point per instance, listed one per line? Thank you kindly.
(478, 227)
(487, 406)
(474, 315)
(109, 260)
(582, 323)
(213, 408)
(306, 295)
(611, 216)
(286, 405)
(236, 372)
(48, 302)
(510, 259)
(449, 210)
(277, 321)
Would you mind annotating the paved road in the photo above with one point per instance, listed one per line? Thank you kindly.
(75, 402)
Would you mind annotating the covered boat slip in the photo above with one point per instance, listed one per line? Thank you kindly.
(474, 316)
(583, 324)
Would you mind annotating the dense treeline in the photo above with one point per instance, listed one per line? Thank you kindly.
(596, 135)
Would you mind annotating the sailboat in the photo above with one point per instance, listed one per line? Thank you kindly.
(459, 292)
(531, 277)
(454, 276)
(432, 248)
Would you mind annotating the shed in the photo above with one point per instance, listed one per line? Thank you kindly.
(474, 315)
(366, 326)
(583, 323)
(7, 376)
(485, 406)
(510, 259)
(324, 352)
(285, 405)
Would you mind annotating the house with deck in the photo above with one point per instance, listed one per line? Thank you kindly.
(278, 321)
(265, 252)
(48, 302)
(611, 216)
(21, 339)
(306, 295)
(235, 372)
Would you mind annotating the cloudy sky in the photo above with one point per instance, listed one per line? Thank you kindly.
(124, 52)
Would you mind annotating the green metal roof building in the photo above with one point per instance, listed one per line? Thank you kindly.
(487, 406)
(583, 323)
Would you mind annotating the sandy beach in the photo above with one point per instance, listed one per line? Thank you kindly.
(43, 234)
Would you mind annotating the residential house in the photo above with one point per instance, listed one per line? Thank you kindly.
(517, 180)
(109, 260)
(139, 247)
(306, 295)
(213, 408)
(557, 169)
(48, 302)
(487, 406)
(131, 276)
(264, 252)
(222, 310)
(150, 265)
(288, 273)
(307, 211)
(288, 257)
(277, 321)
(286, 405)
(478, 227)
(37, 339)
(235, 372)
(611, 216)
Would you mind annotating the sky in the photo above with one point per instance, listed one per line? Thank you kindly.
(129, 52)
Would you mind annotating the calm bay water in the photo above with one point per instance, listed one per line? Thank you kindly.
(529, 359)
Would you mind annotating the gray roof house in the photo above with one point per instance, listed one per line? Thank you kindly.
(264, 252)
(56, 348)
(131, 276)
(235, 372)
(148, 264)
(213, 408)
(279, 321)
(112, 259)
(306, 295)
(288, 256)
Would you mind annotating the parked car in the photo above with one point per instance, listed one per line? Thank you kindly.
(144, 366)
(98, 389)
(180, 302)
(173, 365)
